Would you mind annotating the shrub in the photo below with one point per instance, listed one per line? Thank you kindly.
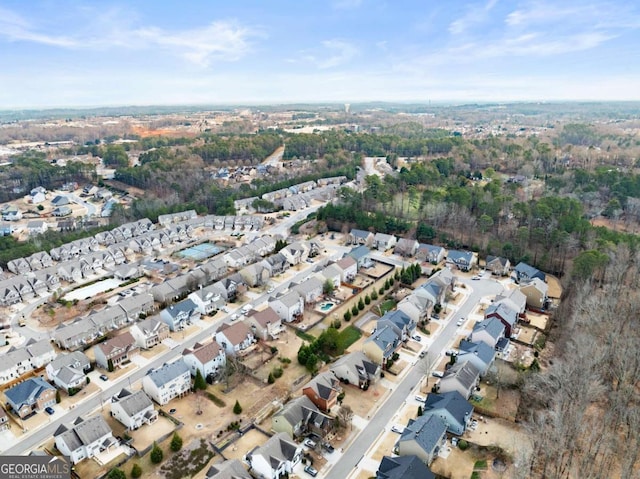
(58, 397)
(463, 445)
(274, 350)
(237, 409)
(347, 316)
(419, 411)
(381, 290)
(284, 360)
(374, 295)
(277, 372)
(199, 382)
(136, 471)
(116, 473)
(360, 304)
(176, 442)
(367, 299)
(271, 379)
(156, 454)
(354, 310)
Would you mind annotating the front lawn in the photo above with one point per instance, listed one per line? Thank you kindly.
(387, 305)
(347, 337)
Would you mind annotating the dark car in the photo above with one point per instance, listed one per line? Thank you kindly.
(328, 447)
(311, 471)
(49, 410)
(104, 377)
(172, 411)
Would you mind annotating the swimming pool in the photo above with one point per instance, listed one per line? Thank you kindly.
(326, 306)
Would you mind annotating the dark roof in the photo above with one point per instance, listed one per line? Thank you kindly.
(359, 252)
(502, 310)
(485, 352)
(453, 402)
(426, 431)
(527, 271)
(404, 467)
(493, 326)
(27, 391)
(460, 256)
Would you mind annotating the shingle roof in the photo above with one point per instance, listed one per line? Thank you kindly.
(453, 402)
(346, 262)
(359, 252)
(493, 326)
(360, 233)
(27, 391)
(133, 403)
(278, 449)
(426, 431)
(84, 432)
(204, 352)
(122, 341)
(236, 333)
(504, 311)
(265, 317)
(526, 270)
(465, 373)
(324, 384)
(485, 352)
(457, 256)
(403, 467)
(230, 469)
(168, 372)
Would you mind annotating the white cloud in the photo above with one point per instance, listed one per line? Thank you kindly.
(341, 53)
(219, 40)
(475, 15)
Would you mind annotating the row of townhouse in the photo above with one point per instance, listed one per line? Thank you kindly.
(84, 331)
(34, 262)
(124, 232)
(19, 361)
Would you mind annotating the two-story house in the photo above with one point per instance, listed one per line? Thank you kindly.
(116, 351)
(452, 408)
(266, 324)
(207, 358)
(275, 458)
(406, 247)
(179, 315)
(149, 332)
(69, 370)
(30, 396)
(235, 338)
(299, 417)
(289, 305)
(384, 242)
(355, 368)
(461, 377)
(323, 391)
(84, 438)
(424, 437)
(169, 381)
(133, 409)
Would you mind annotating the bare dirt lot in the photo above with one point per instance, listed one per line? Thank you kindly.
(244, 444)
(555, 288)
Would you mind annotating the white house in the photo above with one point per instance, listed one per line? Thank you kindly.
(178, 315)
(68, 371)
(266, 324)
(275, 458)
(289, 306)
(84, 438)
(167, 382)
(384, 242)
(133, 409)
(207, 300)
(209, 359)
(235, 338)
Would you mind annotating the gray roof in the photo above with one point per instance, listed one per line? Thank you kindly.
(184, 306)
(426, 431)
(403, 467)
(453, 402)
(68, 374)
(485, 352)
(168, 372)
(39, 348)
(359, 252)
(523, 269)
(387, 338)
(83, 432)
(465, 373)
(308, 286)
(302, 410)
(278, 449)
(27, 391)
(398, 318)
(290, 298)
(493, 326)
(504, 311)
(324, 384)
(360, 233)
(358, 362)
(75, 359)
(230, 469)
(133, 403)
(464, 257)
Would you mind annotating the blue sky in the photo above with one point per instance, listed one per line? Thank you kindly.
(84, 53)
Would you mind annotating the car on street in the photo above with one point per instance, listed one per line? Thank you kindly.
(234, 316)
(460, 322)
(311, 471)
(309, 443)
(451, 352)
(104, 377)
(475, 278)
(49, 410)
(397, 429)
(422, 354)
(271, 290)
(437, 374)
(416, 337)
(419, 398)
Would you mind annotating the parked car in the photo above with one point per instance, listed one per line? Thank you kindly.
(416, 337)
(172, 411)
(451, 352)
(311, 471)
(49, 410)
(271, 290)
(454, 441)
(422, 354)
(419, 398)
(328, 447)
(234, 316)
(437, 374)
(104, 377)
(397, 429)
(475, 278)
(460, 322)
(309, 443)
(435, 316)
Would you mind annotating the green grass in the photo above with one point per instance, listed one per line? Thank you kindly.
(475, 475)
(347, 337)
(387, 305)
(305, 336)
(215, 399)
(482, 464)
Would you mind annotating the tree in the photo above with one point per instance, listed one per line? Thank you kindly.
(345, 415)
(136, 471)
(328, 287)
(354, 310)
(58, 399)
(419, 411)
(116, 473)
(360, 304)
(176, 442)
(374, 295)
(347, 316)
(110, 367)
(237, 409)
(156, 454)
(367, 299)
(271, 379)
(199, 383)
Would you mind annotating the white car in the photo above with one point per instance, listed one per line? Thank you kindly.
(397, 429)
(460, 322)
(271, 290)
(419, 398)
(437, 374)
(309, 443)
(234, 316)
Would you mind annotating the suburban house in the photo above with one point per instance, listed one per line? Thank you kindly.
(235, 338)
(461, 377)
(207, 300)
(167, 382)
(535, 293)
(37, 195)
(207, 358)
(333, 273)
(300, 417)
(116, 351)
(514, 299)
(19, 361)
(133, 409)
(229, 469)
(384, 242)
(400, 320)
(423, 437)
(276, 263)
(463, 260)
(214, 269)
(179, 315)
(525, 273)
(296, 253)
(255, 274)
(498, 266)
(383, 344)
(361, 254)
(69, 370)
(77, 335)
(452, 408)
(170, 218)
(508, 316)
(403, 467)
(37, 227)
(480, 354)
(149, 332)
(355, 368)
(416, 306)
(488, 331)
(275, 458)
(406, 247)
(360, 237)
(349, 268)
(135, 305)
(30, 396)
(62, 211)
(84, 438)
(41, 352)
(310, 290)
(266, 324)
(19, 266)
(323, 391)
(289, 305)
(60, 200)
(430, 253)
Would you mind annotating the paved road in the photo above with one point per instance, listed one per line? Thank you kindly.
(385, 413)
(91, 209)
